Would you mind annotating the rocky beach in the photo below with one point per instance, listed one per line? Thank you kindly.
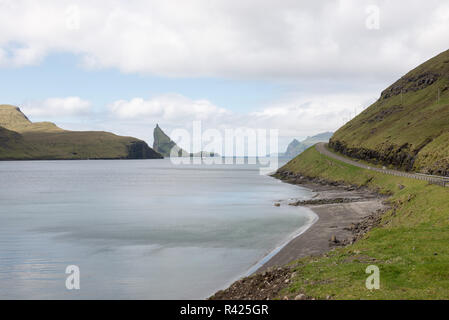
(345, 213)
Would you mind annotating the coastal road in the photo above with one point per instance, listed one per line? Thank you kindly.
(439, 180)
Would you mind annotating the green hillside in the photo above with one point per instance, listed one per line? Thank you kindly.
(21, 139)
(408, 126)
(12, 118)
(409, 246)
(12, 145)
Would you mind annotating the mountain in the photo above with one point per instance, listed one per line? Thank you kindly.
(164, 145)
(408, 126)
(295, 147)
(21, 139)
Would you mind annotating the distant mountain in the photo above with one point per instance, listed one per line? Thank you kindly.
(21, 139)
(295, 147)
(164, 145)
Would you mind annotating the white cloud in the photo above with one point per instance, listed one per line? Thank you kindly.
(172, 108)
(294, 117)
(57, 108)
(305, 116)
(313, 42)
(256, 38)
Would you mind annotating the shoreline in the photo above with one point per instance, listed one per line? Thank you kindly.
(333, 222)
(313, 219)
(344, 214)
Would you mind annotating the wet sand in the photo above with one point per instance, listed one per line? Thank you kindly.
(333, 220)
(355, 212)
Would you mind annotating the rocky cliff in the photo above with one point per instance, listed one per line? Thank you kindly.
(408, 127)
(164, 145)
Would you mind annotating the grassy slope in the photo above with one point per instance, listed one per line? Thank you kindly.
(12, 144)
(418, 119)
(22, 139)
(77, 145)
(410, 246)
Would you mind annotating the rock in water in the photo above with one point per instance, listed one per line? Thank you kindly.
(164, 145)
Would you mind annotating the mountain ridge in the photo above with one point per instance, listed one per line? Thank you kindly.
(296, 147)
(408, 126)
(21, 139)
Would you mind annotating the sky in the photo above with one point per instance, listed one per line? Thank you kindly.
(301, 67)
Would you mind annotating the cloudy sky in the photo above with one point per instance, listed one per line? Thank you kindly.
(302, 67)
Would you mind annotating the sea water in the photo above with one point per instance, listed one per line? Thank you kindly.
(137, 229)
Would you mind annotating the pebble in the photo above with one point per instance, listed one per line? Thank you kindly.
(300, 297)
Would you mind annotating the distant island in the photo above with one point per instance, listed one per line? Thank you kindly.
(296, 147)
(21, 139)
(164, 145)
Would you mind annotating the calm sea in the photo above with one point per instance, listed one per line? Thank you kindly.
(143, 229)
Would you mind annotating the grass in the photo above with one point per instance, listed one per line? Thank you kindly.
(415, 121)
(410, 246)
(21, 139)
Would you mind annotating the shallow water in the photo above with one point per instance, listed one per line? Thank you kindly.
(142, 229)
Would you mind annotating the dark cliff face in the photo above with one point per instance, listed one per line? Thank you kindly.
(408, 126)
(401, 157)
(164, 145)
(411, 84)
(430, 72)
(141, 150)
